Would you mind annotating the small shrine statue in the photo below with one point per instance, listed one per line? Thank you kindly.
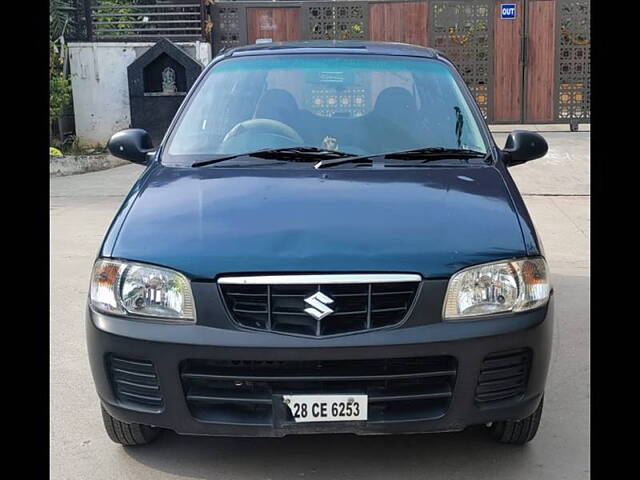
(168, 80)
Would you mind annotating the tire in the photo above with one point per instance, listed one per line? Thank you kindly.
(128, 434)
(517, 432)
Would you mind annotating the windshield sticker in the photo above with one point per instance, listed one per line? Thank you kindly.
(332, 77)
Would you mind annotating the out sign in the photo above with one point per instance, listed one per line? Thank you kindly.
(508, 11)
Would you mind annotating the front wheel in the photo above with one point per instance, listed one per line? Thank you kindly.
(518, 432)
(128, 434)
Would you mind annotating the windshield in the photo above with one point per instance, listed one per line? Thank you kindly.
(357, 104)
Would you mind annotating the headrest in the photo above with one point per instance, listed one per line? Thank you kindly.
(395, 102)
(276, 104)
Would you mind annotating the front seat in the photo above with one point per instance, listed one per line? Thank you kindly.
(395, 120)
(277, 104)
(397, 105)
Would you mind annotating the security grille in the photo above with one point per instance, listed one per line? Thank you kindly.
(337, 20)
(229, 28)
(143, 20)
(462, 30)
(573, 61)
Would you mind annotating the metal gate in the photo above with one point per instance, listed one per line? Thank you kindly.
(335, 21)
(229, 25)
(531, 68)
(573, 61)
(235, 23)
(463, 31)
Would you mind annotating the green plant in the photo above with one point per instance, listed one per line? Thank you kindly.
(71, 146)
(60, 17)
(60, 20)
(59, 84)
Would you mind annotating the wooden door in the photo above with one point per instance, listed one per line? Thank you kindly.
(277, 24)
(540, 61)
(507, 65)
(404, 22)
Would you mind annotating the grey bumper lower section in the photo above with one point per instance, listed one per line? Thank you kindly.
(167, 346)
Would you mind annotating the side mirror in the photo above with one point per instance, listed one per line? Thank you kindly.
(133, 144)
(522, 146)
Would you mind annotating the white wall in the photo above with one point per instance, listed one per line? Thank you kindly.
(100, 85)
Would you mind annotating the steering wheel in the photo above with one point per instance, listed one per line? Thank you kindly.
(263, 126)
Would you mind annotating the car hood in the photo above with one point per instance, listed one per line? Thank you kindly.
(210, 221)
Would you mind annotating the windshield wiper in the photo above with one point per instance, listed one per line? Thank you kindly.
(425, 154)
(291, 154)
(436, 153)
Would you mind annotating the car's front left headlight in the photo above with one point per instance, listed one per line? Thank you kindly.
(129, 288)
(498, 287)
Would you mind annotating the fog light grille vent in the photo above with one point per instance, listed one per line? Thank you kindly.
(504, 375)
(135, 382)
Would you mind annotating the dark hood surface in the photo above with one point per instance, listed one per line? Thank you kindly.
(210, 221)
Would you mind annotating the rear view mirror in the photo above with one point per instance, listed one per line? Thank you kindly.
(523, 146)
(133, 144)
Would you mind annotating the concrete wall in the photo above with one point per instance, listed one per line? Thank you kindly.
(100, 87)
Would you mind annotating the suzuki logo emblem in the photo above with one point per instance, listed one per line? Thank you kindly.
(318, 302)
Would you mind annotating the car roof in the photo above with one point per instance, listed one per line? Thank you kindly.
(335, 46)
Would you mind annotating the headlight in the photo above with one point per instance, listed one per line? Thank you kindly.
(507, 286)
(142, 290)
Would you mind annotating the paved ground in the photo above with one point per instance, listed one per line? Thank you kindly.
(556, 191)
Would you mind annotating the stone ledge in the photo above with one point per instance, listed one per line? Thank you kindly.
(75, 164)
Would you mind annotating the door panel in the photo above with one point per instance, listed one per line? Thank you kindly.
(507, 89)
(540, 62)
(278, 24)
(398, 22)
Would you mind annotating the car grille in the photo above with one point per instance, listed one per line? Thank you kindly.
(135, 382)
(504, 375)
(356, 306)
(241, 392)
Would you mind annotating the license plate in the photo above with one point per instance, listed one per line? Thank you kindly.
(327, 408)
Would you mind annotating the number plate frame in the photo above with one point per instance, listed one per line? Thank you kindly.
(327, 408)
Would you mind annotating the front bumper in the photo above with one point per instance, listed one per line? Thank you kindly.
(467, 344)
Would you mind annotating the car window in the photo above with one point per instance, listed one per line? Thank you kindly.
(359, 104)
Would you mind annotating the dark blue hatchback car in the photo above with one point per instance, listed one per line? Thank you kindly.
(326, 240)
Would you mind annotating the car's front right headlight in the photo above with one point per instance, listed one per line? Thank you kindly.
(129, 288)
(498, 287)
